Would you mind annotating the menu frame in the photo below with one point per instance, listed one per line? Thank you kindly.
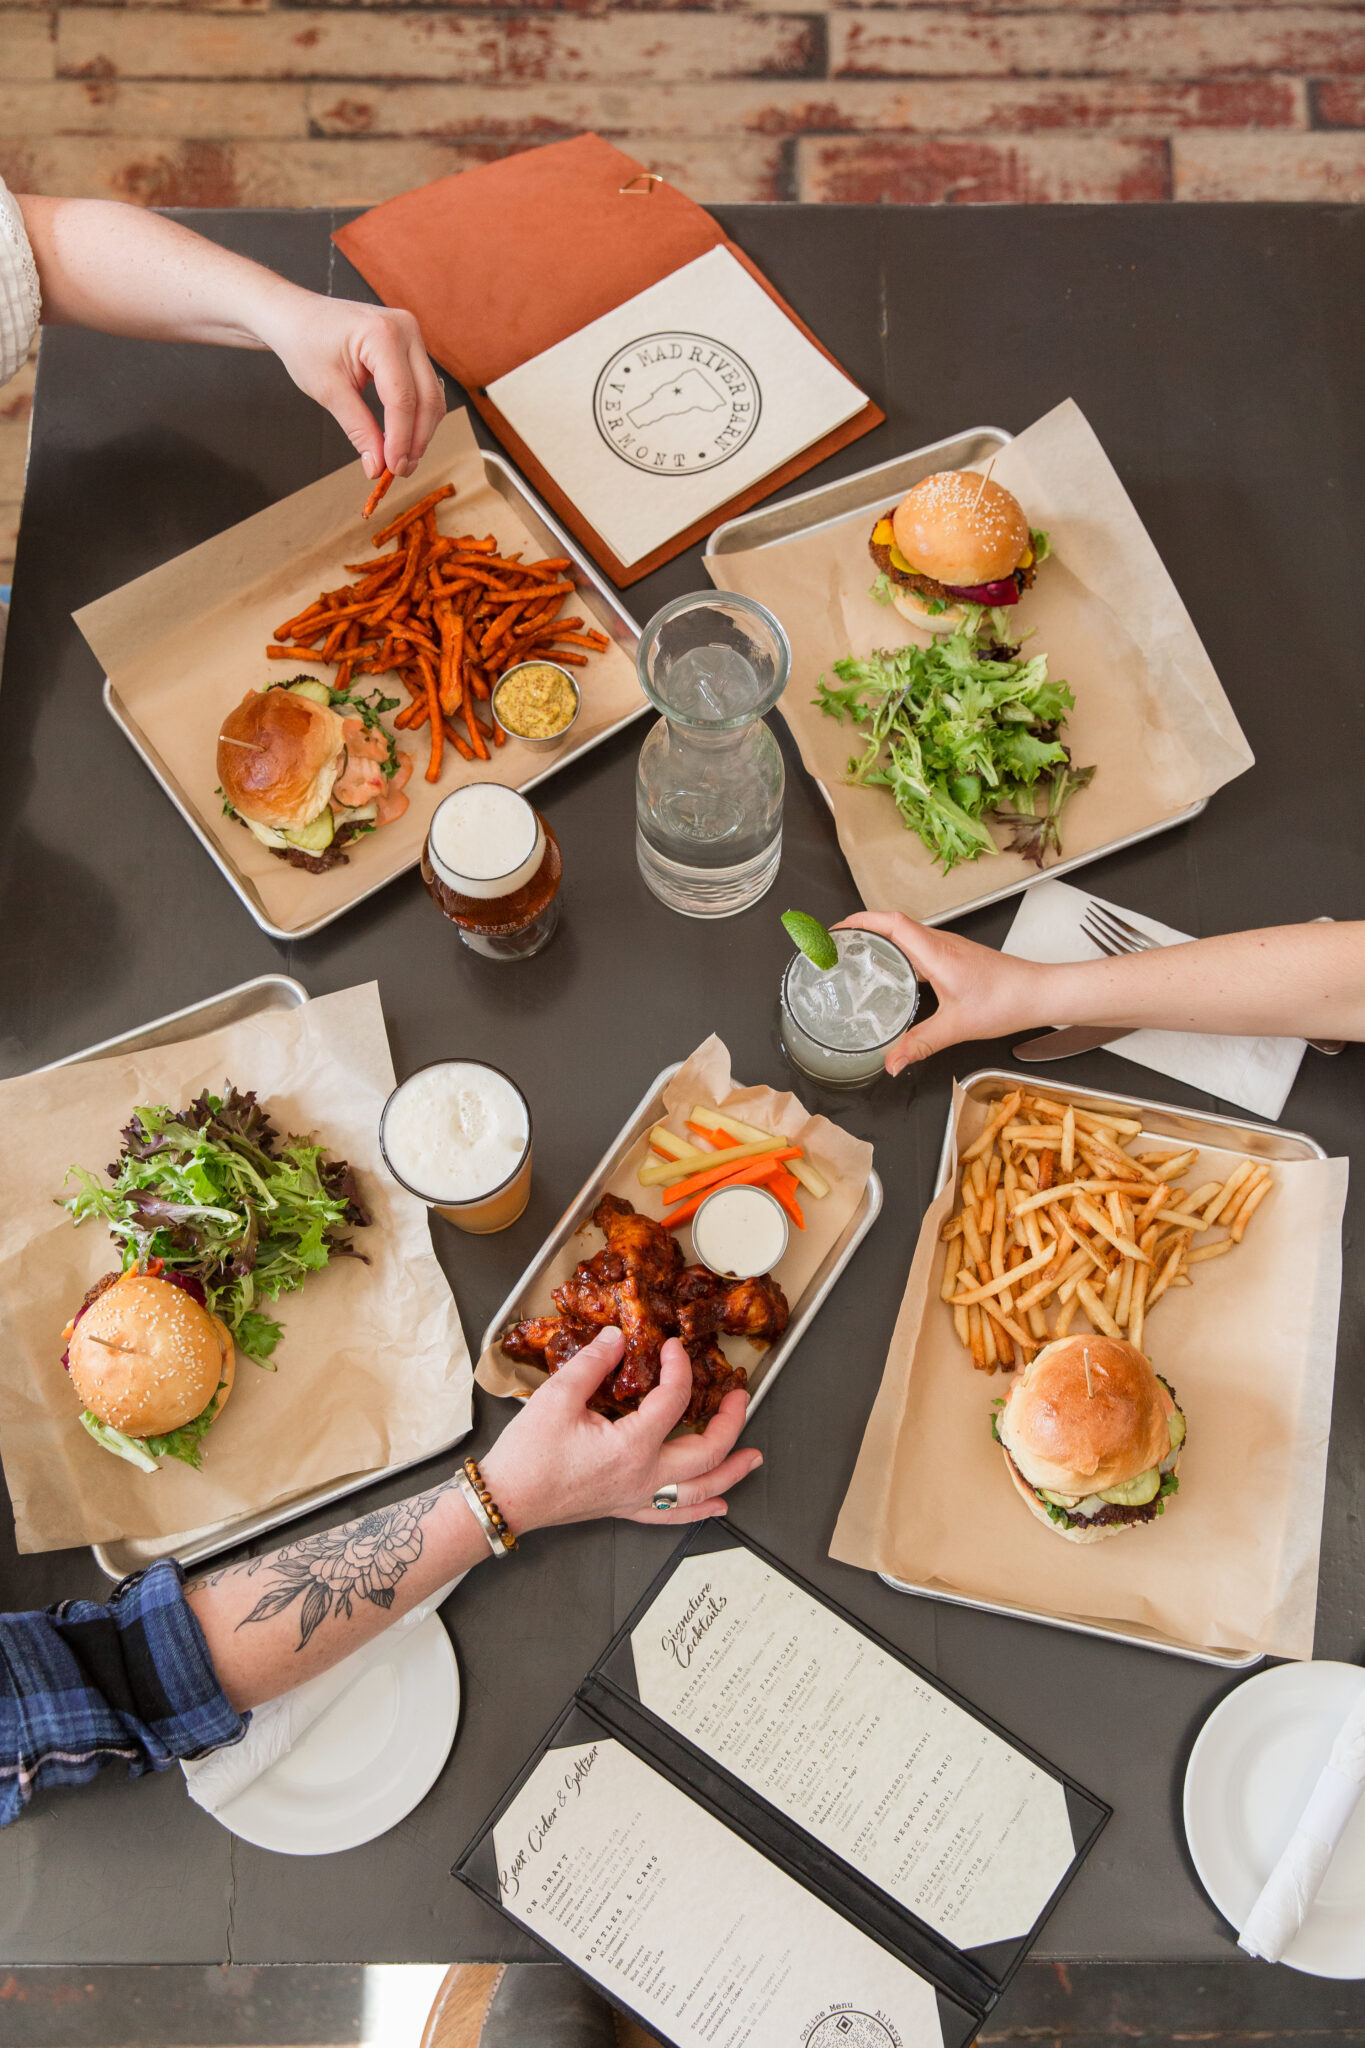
(968, 1983)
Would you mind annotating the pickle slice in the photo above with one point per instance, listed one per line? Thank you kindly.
(315, 837)
(316, 692)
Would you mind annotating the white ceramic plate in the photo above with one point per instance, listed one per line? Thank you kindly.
(366, 1762)
(1250, 1774)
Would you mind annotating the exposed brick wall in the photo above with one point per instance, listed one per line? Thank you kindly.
(266, 103)
(254, 102)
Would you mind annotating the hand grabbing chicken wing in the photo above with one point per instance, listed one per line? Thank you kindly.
(637, 1283)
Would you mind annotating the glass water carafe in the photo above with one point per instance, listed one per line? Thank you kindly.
(708, 793)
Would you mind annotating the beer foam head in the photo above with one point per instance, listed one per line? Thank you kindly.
(485, 840)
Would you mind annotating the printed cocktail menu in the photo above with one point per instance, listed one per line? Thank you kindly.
(757, 1824)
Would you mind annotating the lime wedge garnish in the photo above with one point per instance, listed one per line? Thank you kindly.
(809, 936)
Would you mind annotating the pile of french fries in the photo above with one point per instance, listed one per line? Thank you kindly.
(730, 1154)
(1059, 1217)
(447, 614)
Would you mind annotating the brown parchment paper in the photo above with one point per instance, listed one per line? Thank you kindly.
(373, 1369)
(184, 643)
(1150, 711)
(1250, 1348)
(845, 1162)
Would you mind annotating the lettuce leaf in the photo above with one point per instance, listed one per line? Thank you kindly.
(217, 1195)
(959, 731)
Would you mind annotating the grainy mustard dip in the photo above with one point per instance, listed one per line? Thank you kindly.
(536, 700)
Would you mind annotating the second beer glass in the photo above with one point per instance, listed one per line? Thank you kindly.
(491, 864)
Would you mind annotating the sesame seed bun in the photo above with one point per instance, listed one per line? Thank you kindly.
(960, 528)
(146, 1358)
(1087, 1413)
(278, 757)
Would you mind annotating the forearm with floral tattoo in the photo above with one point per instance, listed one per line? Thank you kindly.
(276, 1620)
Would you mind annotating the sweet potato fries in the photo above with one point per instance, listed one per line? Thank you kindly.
(446, 614)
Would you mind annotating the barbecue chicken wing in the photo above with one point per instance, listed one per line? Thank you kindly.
(638, 1283)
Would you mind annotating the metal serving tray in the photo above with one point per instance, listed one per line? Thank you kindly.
(804, 1309)
(858, 497)
(597, 598)
(134, 1553)
(1159, 1120)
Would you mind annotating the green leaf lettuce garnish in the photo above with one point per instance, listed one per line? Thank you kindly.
(216, 1194)
(960, 733)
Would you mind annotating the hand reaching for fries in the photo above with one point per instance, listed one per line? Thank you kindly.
(125, 270)
(1056, 1209)
(1295, 980)
(335, 348)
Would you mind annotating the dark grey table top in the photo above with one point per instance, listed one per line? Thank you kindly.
(1216, 352)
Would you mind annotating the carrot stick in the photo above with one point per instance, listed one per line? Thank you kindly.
(720, 1139)
(382, 482)
(748, 1175)
(783, 1188)
(680, 1189)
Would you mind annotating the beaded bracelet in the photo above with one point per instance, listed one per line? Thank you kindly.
(485, 1509)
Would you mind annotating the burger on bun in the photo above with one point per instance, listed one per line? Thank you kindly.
(151, 1367)
(305, 779)
(956, 539)
(1091, 1437)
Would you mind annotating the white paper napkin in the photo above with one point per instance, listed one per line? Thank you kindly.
(1293, 1884)
(218, 1778)
(1257, 1073)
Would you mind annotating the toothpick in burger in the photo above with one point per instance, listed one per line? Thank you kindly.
(151, 1367)
(309, 770)
(956, 539)
(1091, 1437)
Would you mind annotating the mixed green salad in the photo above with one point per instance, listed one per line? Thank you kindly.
(227, 1206)
(961, 732)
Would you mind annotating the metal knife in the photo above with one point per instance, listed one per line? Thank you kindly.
(1067, 1039)
(1070, 1038)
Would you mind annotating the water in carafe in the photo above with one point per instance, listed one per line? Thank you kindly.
(709, 789)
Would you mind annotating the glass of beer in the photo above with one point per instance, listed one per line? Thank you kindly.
(457, 1134)
(491, 864)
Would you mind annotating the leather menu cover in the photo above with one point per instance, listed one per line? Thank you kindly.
(500, 263)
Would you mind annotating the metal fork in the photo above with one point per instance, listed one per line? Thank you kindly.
(1114, 935)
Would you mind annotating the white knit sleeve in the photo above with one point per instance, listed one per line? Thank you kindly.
(20, 305)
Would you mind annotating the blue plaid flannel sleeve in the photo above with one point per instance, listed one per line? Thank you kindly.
(83, 1685)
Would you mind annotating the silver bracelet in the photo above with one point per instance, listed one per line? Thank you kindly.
(497, 1542)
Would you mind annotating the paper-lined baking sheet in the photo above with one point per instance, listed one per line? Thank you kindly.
(372, 1368)
(845, 1162)
(1150, 713)
(1250, 1349)
(184, 643)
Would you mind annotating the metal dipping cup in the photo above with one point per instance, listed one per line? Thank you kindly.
(735, 1273)
(501, 1205)
(554, 739)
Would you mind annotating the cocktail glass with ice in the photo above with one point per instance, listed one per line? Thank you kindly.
(838, 1022)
